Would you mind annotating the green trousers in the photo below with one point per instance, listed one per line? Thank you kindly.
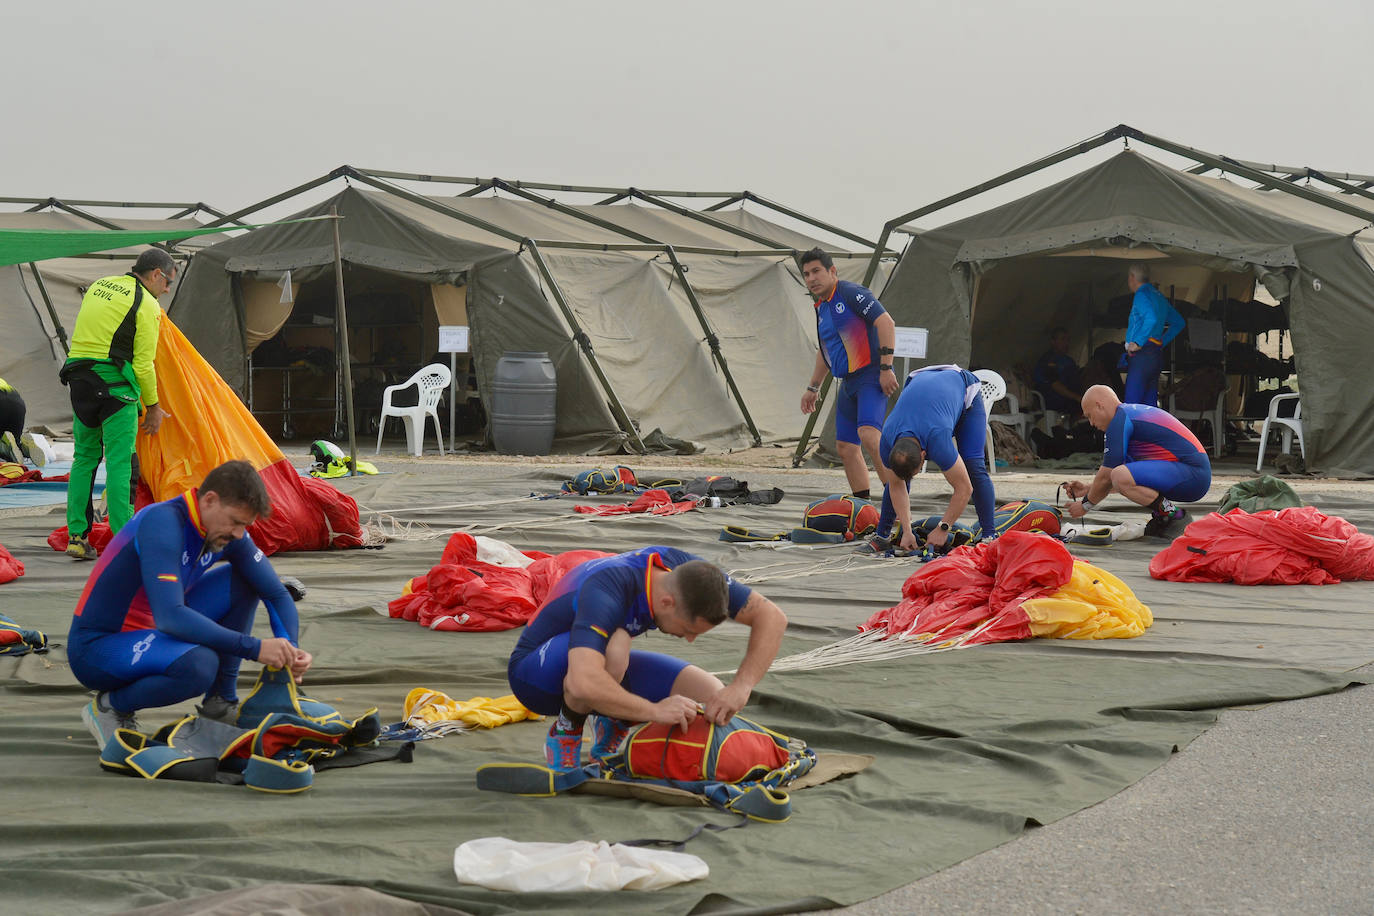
(114, 441)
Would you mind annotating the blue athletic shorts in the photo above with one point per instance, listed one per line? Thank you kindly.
(536, 678)
(1179, 481)
(861, 402)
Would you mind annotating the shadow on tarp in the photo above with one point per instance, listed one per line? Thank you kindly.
(972, 746)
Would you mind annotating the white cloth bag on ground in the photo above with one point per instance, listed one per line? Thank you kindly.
(502, 864)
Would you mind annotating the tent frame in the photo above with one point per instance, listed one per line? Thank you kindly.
(1279, 178)
(37, 204)
(384, 181)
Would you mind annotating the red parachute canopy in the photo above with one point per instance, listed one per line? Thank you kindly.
(208, 426)
(1295, 546)
(1020, 585)
(10, 568)
(464, 593)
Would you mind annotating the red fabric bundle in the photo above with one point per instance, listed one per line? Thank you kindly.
(654, 502)
(1296, 546)
(10, 568)
(463, 593)
(974, 584)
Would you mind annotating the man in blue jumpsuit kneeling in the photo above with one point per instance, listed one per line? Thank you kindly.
(159, 622)
(574, 657)
(1150, 458)
(939, 416)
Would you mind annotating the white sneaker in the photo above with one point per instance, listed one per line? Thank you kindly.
(101, 721)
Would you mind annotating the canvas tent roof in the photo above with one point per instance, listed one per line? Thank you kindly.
(970, 282)
(548, 278)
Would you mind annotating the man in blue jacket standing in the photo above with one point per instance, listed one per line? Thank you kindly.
(1153, 324)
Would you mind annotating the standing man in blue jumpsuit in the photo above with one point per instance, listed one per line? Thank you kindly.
(574, 657)
(857, 337)
(1150, 458)
(940, 416)
(1153, 324)
(159, 622)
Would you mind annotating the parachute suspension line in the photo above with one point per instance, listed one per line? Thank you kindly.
(780, 572)
(876, 646)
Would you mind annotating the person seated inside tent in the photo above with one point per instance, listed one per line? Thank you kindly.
(1056, 375)
(940, 416)
(1150, 458)
(574, 658)
(161, 620)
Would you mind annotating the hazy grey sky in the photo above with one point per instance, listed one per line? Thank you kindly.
(853, 112)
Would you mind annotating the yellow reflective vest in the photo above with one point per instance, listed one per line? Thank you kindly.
(109, 334)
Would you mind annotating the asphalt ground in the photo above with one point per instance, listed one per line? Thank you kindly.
(1269, 811)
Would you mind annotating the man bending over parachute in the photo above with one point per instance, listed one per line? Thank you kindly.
(574, 658)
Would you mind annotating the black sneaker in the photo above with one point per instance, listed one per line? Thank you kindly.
(1169, 526)
(219, 709)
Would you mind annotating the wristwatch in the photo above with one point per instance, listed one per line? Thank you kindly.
(944, 526)
(884, 367)
(814, 389)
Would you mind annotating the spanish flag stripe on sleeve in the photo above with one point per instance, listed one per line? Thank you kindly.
(164, 577)
(602, 633)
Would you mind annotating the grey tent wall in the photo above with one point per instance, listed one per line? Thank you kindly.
(585, 343)
(47, 301)
(712, 340)
(714, 343)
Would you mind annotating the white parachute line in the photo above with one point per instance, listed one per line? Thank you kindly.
(877, 645)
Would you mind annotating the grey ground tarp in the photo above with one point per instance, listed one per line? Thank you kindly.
(972, 746)
(991, 286)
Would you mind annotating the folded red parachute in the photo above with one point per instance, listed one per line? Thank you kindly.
(208, 426)
(464, 593)
(651, 502)
(1296, 546)
(10, 568)
(1015, 587)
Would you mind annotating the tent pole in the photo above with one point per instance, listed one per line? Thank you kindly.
(275, 199)
(586, 344)
(345, 359)
(714, 342)
(802, 217)
(1245, 171)
(708, 220)
(721, 205)
(52, 312)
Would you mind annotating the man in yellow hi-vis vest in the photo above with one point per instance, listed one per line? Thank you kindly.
(109, 371)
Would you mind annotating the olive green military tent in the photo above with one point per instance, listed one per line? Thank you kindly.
(693, 323)
(989, 287)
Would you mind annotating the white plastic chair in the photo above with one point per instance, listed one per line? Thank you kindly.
(994, 388)
(431, 382)
(1290, 425)
(1049, 419)
(1016, 417)
(1215, 415)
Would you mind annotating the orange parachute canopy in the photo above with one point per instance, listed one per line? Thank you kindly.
(1019, 586)
(208, 426)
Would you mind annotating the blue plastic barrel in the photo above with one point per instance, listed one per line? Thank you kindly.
(523, 412)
